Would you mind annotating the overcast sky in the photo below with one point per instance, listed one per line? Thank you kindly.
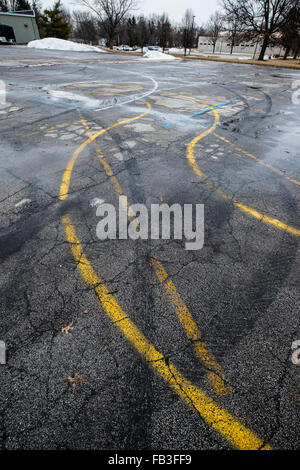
(175, 8)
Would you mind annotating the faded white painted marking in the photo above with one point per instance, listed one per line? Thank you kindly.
(137, 97)
(22, 203)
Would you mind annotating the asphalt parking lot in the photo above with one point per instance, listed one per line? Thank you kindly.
(122, 344)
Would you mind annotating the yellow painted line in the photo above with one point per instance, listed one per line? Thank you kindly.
(159, 102)
(261, 162)
(215, 373)
(220, 419)
(260, 110)
(105, 164)
(248, 210)
(268, 220)
(108, 170)
(190, 154)
(65, 184)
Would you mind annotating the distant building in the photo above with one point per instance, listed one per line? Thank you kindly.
(23, 24)
(223, 46)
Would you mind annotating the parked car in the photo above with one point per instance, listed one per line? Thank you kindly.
(7, 35)
(124, 47)
(154, 48)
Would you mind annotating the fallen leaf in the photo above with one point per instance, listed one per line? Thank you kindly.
(67, 328)
(77, 379)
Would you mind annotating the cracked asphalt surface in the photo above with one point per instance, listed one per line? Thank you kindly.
(88, 387)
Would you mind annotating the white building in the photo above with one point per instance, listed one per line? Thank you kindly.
(23, 24)
(223, 46)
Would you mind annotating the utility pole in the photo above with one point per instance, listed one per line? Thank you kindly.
(256, 46)
(192, 34)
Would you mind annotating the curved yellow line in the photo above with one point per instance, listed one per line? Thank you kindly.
(261, 162)
(244, 208)
(214, 372)
(222, 421)
(65, 184)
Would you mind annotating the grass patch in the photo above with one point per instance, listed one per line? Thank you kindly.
(286, 64)
(122, 52)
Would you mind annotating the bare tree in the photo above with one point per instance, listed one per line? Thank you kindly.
(188, 29)
(85, 26)
(262, 18)
(214, 28)
(7, 5)
(110, 13)
(289, 36)
(163, 30)
(153, 27)
(4, 6)
(233, 24)
(131, 31)
(142, 32)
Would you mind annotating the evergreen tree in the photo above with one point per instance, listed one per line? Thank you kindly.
(54, 24)
(22, 5)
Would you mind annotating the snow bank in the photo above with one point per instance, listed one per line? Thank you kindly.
(156, 55)
(62, 45)
(226, 56)
(176, 50)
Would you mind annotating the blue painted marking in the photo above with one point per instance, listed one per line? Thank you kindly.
(206, 110)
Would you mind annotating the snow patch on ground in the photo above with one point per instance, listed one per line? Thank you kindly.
(73, 98)
(176, 50)
(62, 45)
(227, 56)
(156, 55)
